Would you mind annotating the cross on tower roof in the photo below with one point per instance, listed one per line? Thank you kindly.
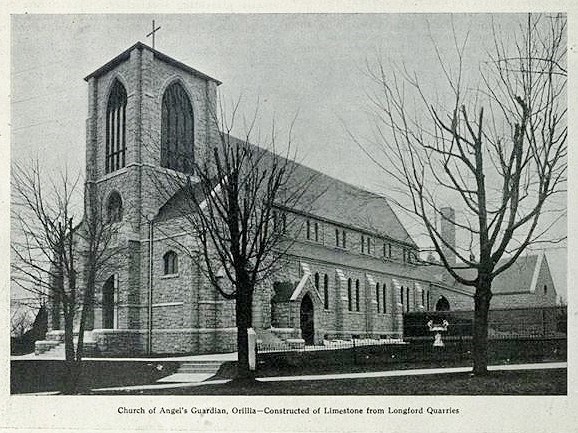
(153, 33)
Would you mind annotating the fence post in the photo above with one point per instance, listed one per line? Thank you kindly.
(252, 337)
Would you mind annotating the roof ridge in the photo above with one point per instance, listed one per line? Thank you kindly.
(140, 46)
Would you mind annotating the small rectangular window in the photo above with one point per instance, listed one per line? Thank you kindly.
(362, 244)
(336, 237)
(316, 232)
(344, 238)
(308, 229)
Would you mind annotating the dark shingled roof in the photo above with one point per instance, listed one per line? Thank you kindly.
(353, 207)
(125, 55)
(178, 204)
(283, 291)
(518, 278)
(332, 200)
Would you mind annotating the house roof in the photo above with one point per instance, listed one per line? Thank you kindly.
(125, 55)
(521, 277)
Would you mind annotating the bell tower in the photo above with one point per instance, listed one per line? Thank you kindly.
(146, 112)
(149, 115)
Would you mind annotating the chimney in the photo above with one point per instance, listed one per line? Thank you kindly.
(448, 233)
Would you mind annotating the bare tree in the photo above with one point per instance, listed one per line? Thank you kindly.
(236, 202)
(497, 151)
(21, 321)
(49, 251)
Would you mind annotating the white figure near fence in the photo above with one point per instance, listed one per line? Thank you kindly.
(438, 329)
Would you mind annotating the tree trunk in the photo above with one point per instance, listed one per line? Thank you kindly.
(70, 380)
(480, 340)
(243, 309)
(69, 337)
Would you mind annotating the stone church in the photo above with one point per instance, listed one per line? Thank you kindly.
(351, 273)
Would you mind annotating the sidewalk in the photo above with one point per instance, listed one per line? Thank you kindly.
(373, 374)
(231, 356)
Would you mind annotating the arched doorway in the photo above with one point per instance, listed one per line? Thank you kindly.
(442, 304)
(307, 324)
(108, 304)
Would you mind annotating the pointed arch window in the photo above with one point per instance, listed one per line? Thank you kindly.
(177, 130)
(116, 128)
(357, 295)
(326, 292)
(349, 296)
(114, 207)
(170, 263)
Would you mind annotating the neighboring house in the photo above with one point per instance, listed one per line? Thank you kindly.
(527, 283)
(352, 271)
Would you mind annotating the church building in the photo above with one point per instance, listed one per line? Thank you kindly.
(351, 272)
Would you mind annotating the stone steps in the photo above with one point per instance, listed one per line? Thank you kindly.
(204, 367)
(53, 346)
(193, 372)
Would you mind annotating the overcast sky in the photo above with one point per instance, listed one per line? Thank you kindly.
(308, 66)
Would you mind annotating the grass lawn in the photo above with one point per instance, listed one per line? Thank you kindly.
(529, 382)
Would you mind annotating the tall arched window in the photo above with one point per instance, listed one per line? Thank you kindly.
(170, 263)
(384, 293)
(349, 296)
(326, 292)
(356, 295)
(407, 306)
(116, 128)
(177, 130)
(377, 297)
(114, 207)
(108, 292)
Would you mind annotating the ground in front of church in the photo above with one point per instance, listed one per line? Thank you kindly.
(530, 379)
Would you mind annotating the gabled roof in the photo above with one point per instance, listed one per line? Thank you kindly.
(331, 200)
(282, 291)
(125, 55)
(521, 277)
(179, 203)
(352, 207)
